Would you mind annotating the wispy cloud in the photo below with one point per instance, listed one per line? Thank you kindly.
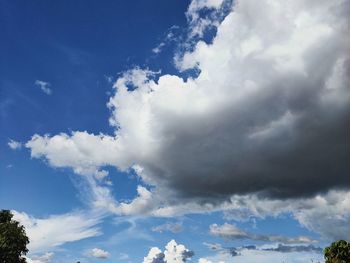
(108, 78)
(172, 227)
(44, 86)
(170, 36)
(49, 233)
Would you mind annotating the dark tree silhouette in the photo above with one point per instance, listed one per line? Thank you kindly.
(338, 252)
(13, 239)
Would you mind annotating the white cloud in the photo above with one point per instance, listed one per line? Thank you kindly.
(197, 4)
(326, 214)
(45, 258)
(204, 260)
(47, 233)
(44, 86)
(176, 253)
(100, 175)
(197, 23)
(158, 48)
(14, 145)
(229, 231)
(82, 151)
(155, 255)
(98, 253)
(142, 204)
(173, 253)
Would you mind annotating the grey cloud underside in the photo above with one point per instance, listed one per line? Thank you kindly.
(231, 232)
(213, 156)
(280, 248)
(224, 151)
(236, 251)
(159, 258)
(289, 249)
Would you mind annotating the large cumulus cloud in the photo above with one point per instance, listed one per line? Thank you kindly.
(268, 113)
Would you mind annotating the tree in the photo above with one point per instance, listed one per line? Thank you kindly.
(13, 239)
(338, 252)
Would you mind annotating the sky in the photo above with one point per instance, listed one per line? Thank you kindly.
(206, 131)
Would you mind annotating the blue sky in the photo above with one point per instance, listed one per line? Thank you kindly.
(175, 131)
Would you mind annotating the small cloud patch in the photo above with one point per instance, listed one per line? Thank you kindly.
(14, 145)
(44, 86)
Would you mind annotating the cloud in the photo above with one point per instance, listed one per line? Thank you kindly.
(142, 204)
(204, 260)
(158, 48)
(196, 4)
(265, 253)
(155, 255)
(45, 258)
(44, 86)
(289, 249)
(262, 256)
(14, 145)
(82, 151)
(173, 253)
(326, 214)
(233, 251)
(172, 227)
(236, 251)
(266, 120)
(214, 10)
(48, 233)
(108, 78)
(229, 231)
(271, 98)
(170, 37)
(252, 254)
(98, 253)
